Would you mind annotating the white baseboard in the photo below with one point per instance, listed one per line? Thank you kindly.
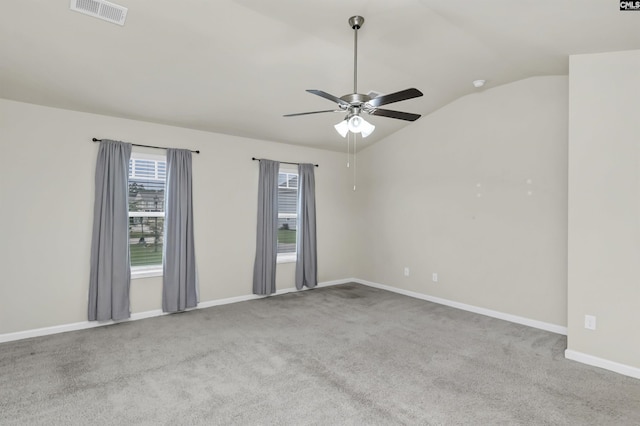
(616, 367)
(45, 331)
(554, 328)
(244, 298)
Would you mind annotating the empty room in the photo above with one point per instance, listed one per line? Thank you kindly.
(358, 212)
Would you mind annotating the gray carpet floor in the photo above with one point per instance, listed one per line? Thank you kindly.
(346, 354)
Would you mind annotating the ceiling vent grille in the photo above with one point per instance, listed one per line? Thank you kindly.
(101, 9)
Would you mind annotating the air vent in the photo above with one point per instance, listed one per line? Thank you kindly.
(101, 9)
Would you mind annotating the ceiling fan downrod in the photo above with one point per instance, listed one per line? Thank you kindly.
(355, 22)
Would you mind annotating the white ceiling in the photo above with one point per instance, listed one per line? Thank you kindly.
(236, 66)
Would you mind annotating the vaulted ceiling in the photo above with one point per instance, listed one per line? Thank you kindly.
(236, 66)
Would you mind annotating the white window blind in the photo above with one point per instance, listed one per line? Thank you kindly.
(287, 214)
(147, 181)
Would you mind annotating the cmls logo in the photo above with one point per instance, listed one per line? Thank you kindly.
(629, 5)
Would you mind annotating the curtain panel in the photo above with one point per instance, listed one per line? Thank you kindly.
(307, 255)
(110, 273)
(179, 285)
(264, 267)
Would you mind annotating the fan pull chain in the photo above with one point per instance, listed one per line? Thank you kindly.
(355, 153)
(348, 148)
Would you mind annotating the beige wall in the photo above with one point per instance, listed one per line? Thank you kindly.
(47, 165)
(604, 205)
(504, 250)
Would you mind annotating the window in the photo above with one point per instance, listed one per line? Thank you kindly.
(287, 214)
(147, 181)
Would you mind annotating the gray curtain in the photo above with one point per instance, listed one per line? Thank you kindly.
(110, 269)
(307, 254)
(264, 267)
(179, 287)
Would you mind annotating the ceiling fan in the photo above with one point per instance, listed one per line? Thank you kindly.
(356, 103)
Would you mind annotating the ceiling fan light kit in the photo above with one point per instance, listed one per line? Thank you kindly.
(353, 104)
(354, 123)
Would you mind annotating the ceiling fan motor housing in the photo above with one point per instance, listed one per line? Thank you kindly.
(356, 99)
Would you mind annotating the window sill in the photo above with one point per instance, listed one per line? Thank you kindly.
(145, 272)
(287, 258)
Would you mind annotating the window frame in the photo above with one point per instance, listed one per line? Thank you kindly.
(148, 270)
(292, 170)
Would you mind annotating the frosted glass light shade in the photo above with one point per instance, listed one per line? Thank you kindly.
(355, 124)
(342, 128)
(367, 128)
(358, 124)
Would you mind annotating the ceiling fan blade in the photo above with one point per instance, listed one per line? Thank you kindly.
(395, 114)
(311, 112)
(395, 97)
(330, 97)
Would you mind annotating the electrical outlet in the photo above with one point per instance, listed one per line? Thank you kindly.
(406, 271)
(589, 322)
(434, 277)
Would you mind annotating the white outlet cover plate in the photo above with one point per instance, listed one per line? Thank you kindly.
(589, 322)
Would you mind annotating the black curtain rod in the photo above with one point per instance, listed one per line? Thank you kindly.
(285, 162)
(146, 146)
